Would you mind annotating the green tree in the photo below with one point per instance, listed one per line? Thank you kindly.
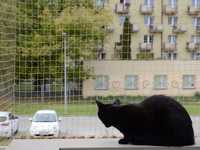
(126, 40)
(40, 43)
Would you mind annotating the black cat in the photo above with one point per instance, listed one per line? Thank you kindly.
(158, 120)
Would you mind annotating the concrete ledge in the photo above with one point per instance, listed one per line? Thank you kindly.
(112, 144)
(84, 144)
(3, 147)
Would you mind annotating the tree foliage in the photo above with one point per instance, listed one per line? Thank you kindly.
(40, 41)
(126, 40)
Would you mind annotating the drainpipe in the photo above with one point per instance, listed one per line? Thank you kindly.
(162, 17)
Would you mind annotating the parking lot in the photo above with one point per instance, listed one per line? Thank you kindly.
(74, 127)
(86, 127)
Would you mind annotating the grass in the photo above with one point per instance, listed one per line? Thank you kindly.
(80, 109)
(71, 109)
(193, 109)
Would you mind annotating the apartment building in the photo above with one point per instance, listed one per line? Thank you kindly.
(164, 49)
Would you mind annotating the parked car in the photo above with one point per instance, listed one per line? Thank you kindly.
(45, 123)
(9, 124)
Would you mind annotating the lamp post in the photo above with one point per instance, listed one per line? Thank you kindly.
(65, 37)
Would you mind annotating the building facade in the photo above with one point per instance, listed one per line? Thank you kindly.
(162, 40)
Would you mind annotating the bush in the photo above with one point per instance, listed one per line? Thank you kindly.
(197, 95)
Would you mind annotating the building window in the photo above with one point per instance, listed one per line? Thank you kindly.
(148, 39)
(196, 22)
(172, 20)
(131, 82)
(196, 3)
(100, 3)
(172, 39)
(188, 81)
(101, 82)
(148, 20)
(195, 55)
(160, 82)
(121, 20)
(196, 39)
(149, 3)
(169, 56)
(172, 3)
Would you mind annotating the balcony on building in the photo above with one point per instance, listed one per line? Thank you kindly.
(101, 53)
(156, 28)
(194, 11)
(110, 29)
(146, 9)
(169, 47)
(192, 46)
(170, 10)
(179, 29)
(127, 2)
(117, 50)
(146, 46)
(121, 8)
(135, 28)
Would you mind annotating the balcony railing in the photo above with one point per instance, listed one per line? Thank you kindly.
(191, 46)
(127, 2)
(110, 29)
(121, 8)
(117, 50)
(170, 10)
(135, 28)
(179, 29)
(156, 28)
(192, 10)
(146, 9)
(168, 47)
(146, 46)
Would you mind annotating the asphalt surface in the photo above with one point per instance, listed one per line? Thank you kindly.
(92, 133)
(86, 127)
(74, 127)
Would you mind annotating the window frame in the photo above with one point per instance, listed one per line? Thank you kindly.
(106, 80)
(148, 20)
(196, 3)
(149, 3)
(172, 39)
(148, 39)
(172, 3)
(172, 20)
(134, 86)
(194, 81)
(166, 82)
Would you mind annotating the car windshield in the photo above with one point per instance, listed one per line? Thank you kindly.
(44, 117)
(3, 118)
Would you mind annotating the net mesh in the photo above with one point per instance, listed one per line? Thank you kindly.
(65, 54)
(7, 55)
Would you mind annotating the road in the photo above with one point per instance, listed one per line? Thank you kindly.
(74, 127)
(86, 127)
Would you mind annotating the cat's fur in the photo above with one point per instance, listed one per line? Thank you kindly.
(158, 120)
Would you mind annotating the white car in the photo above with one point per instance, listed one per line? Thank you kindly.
(8, 124)
(45, 123)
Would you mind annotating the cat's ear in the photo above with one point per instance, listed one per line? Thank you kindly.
(117, 102)
(99, 104)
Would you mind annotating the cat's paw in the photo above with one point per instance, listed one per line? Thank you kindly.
(123, 141)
